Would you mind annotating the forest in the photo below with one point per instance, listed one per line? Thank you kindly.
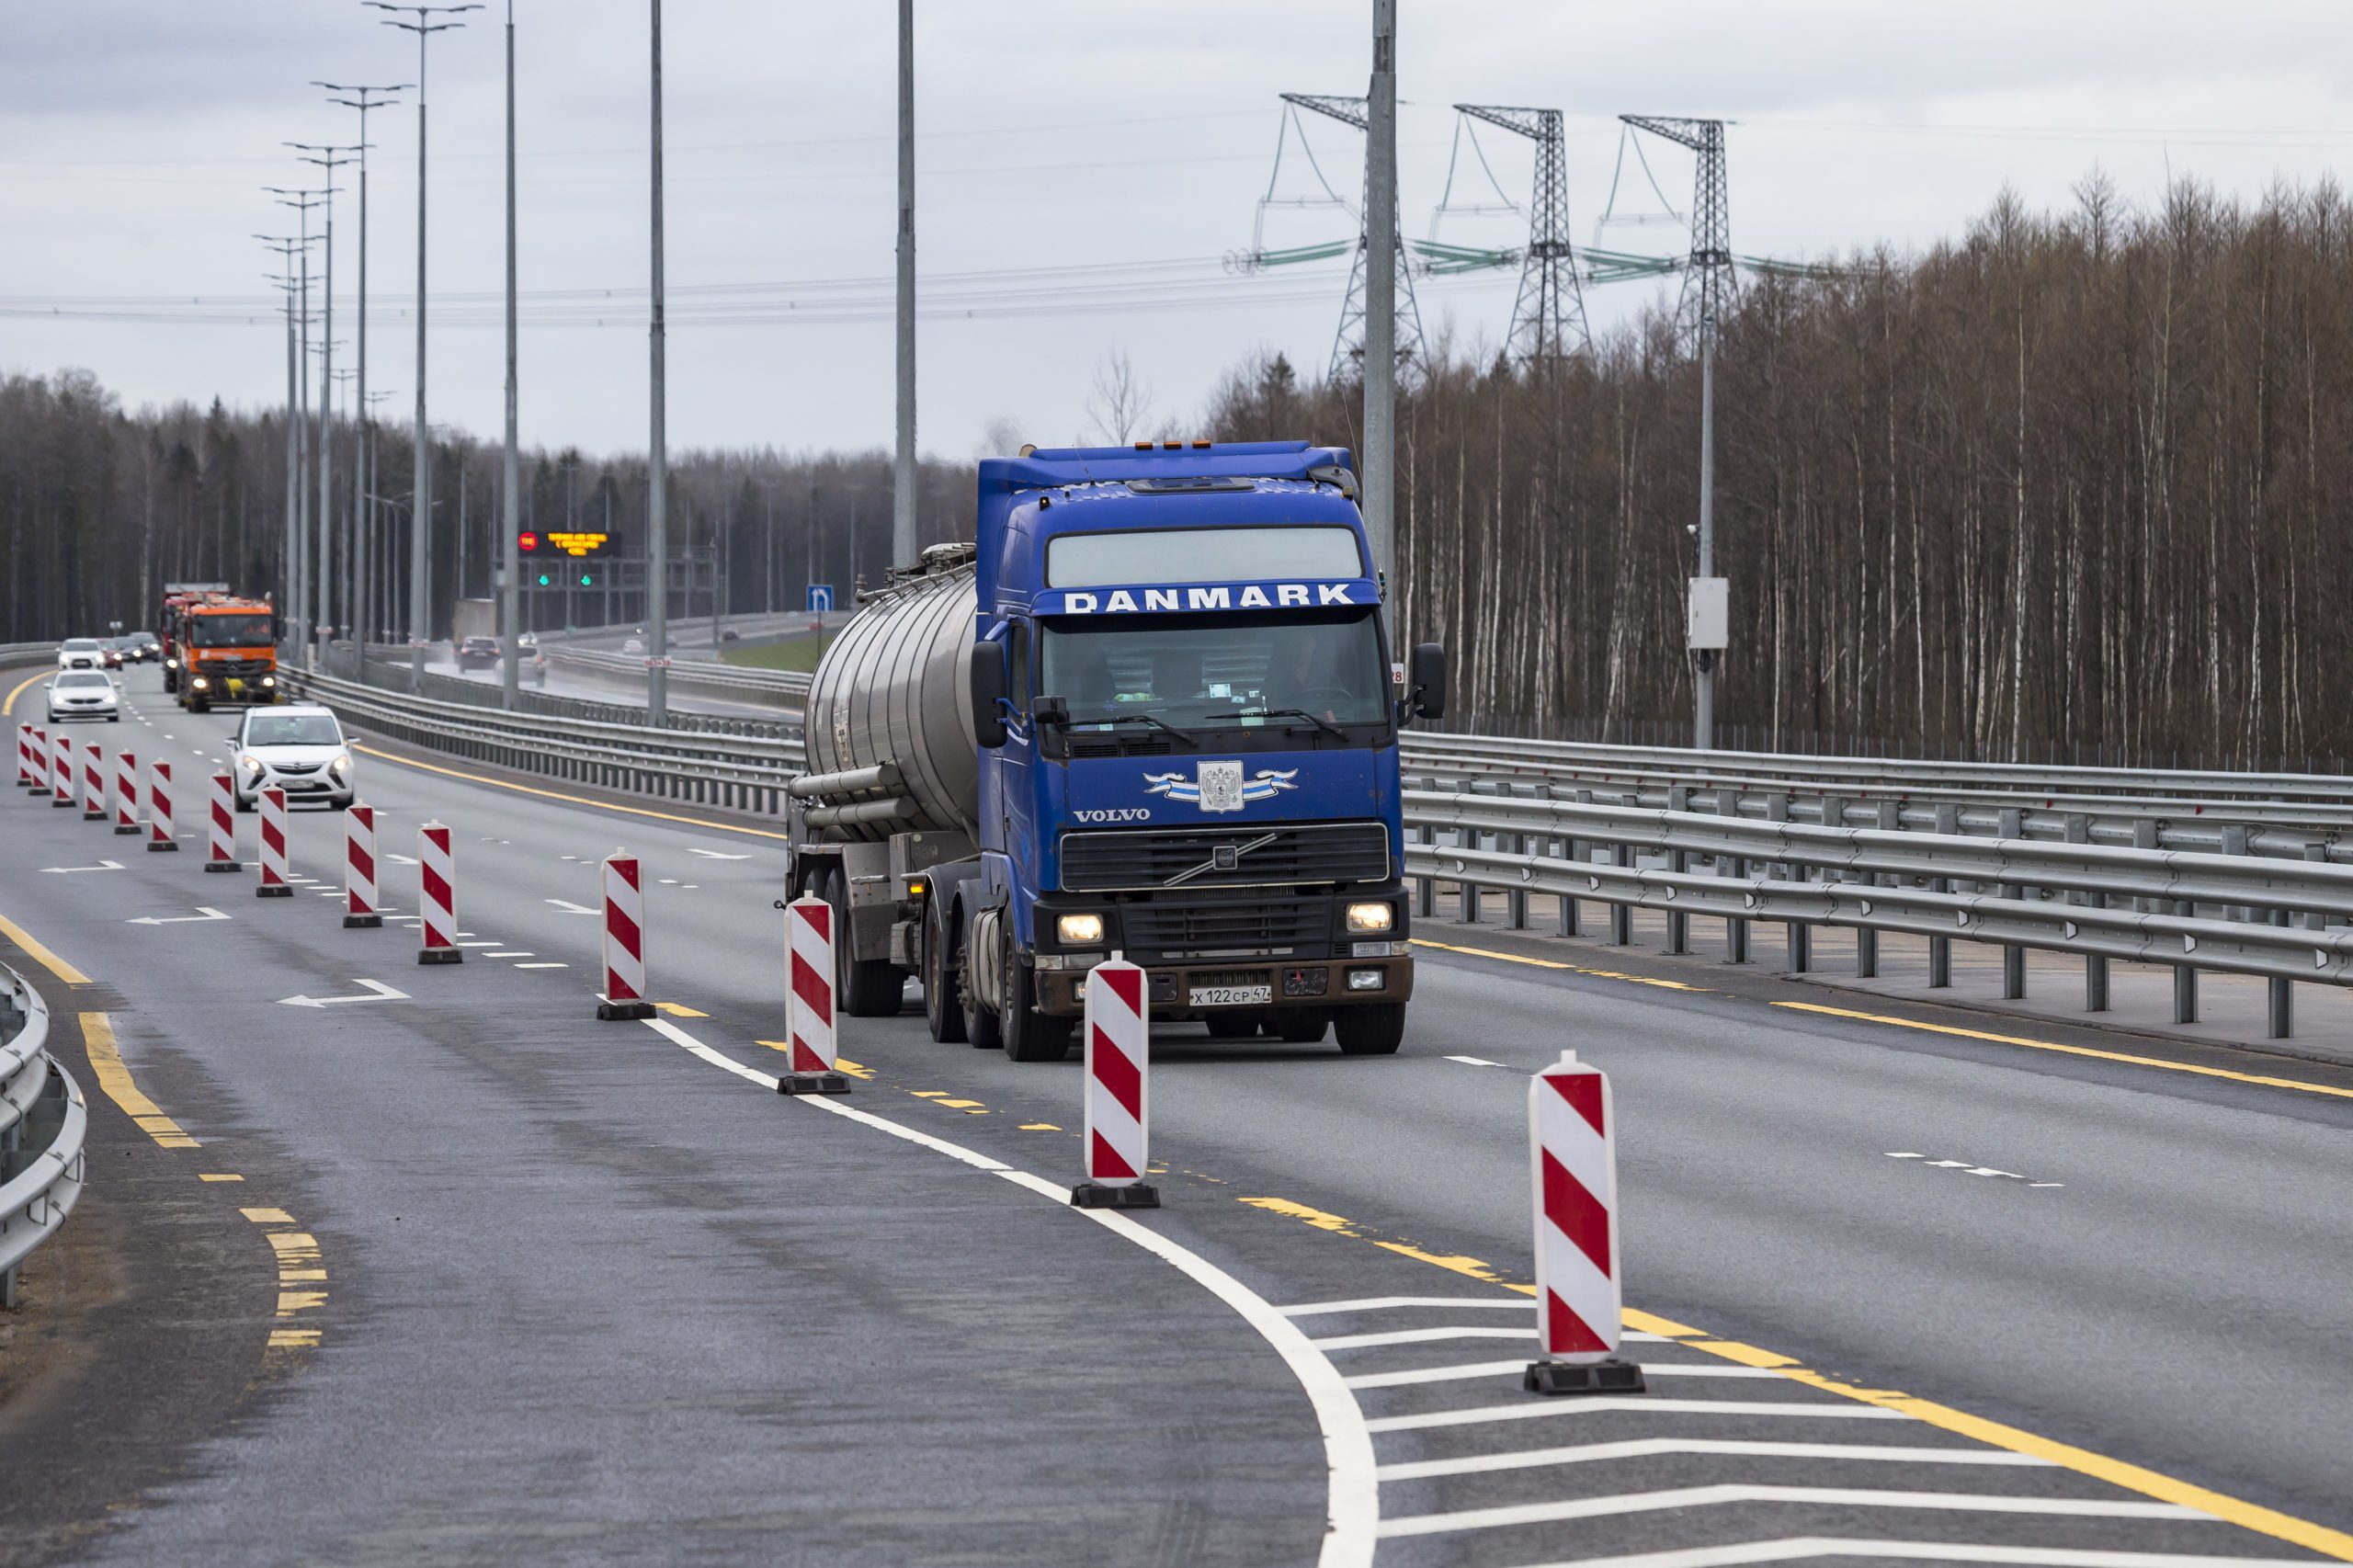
(2053, 488)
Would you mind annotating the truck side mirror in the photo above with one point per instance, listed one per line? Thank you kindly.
(1425, 688)
(988, 694)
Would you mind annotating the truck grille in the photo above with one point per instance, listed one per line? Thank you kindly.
(1139, 858)
(247, 669)
(1274, 926)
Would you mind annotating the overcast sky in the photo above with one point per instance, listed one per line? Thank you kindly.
(1083, 167)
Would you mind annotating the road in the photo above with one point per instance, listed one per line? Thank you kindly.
(592, 1293)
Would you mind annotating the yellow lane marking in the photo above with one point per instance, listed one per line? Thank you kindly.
(293, 1338)
(219, 1175)
(2116, 1472)
(843, 1063)
(2264, 1079)
(571, 799)
(9, 707)
(678, 1010)
(267, 1216)
(106, 1061)
(973, 1106)
(41, 955)
(1555, 963)
(1039, 1127)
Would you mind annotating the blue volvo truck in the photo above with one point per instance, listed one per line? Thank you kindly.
(1151, 711)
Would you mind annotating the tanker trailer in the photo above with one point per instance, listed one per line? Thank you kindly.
(1150, 713)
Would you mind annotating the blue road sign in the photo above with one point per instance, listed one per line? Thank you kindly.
(820, 598)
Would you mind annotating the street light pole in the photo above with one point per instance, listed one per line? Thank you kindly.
(286, 245)
(299, 589)
(511, 596)
(903, 498)
(323, 575)
(657, 517)
(420, 616)
(360, 557)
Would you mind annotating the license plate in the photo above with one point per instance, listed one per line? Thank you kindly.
(1232, 995)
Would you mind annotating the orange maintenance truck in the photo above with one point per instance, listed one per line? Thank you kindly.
(226, 650)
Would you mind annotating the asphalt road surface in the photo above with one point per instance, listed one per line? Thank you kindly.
(500, 1282)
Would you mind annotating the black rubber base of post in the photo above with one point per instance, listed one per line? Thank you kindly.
(166, 844)
(224, 865)
(93, 816)
(622, 1012)
(1590, 1377)
(1095, 1195)
(61, 805)
(440, 955)
(363, 922)
(124, 829)
(277, 890)
(813, 1083)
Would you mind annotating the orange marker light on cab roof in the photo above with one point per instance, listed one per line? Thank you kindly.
(1198, 445)
(1144, 445)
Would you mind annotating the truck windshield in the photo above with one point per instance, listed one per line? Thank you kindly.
(1183, 555)
(1217, 671)
(228, 631)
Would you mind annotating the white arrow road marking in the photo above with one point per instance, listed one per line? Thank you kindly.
(377, 992)
(569, 907)
(714, 855)
(101, 866)
(202, 914)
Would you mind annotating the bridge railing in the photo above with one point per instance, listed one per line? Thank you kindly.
(43, 1126)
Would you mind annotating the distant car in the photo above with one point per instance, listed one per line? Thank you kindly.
(81, 653)
(477, 654)
(634, 646)
(84, 694)
(109, 653)
(144, 646)
(297, 747)
(526, 640)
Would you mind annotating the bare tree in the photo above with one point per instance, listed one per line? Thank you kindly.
(1120, 403)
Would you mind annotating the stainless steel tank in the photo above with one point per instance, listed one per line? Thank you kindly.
(892, 692)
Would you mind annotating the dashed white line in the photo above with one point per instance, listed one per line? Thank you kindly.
(510, 955)
(1418, 1336)
(568, 907)
(543, 966)
(1646, 1448)
(1474, 1061)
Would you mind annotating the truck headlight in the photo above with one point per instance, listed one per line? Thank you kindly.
(1371, 918)
(172, 663)
(201, 683)
(1079, 930)
(269, 680)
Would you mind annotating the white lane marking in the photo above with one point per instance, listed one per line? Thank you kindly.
(201, 915)
(510, 955)
(666, 882)
(568, 907)
(62, 870)
(1975, 1170)
(1648, 1448)
(1352, 1496)
(1467, 1371)
(1383, 1304)
(714, 855)
(1726, 1407)
(1474, 1061)
(1418, 1336)
(477, 944)
(399, 860)
(1837, 1496)
(543, 966)
(1793, 1549)
(378, 991)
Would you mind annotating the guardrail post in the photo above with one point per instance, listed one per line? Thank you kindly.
(1801, 934)
(1678, 925)
(1580, 852)
(2185, 976)
(1621, 916)
(1425, 888)
(2318, 855)
(1890, 820)
(2011, 823)
(1940, 948)
(2079, 831)
(1516, 900)
(1466, 894)
(2144, 836)
(1737, 867)
(2234, 843)
(2283, 991)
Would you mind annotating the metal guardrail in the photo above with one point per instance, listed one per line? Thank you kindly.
(11, 653)
(393, 675)
(740, 772)
(43, 1126)
(693, 673)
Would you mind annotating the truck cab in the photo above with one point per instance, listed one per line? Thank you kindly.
(1184, 717)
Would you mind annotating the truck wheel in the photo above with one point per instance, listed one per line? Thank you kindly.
(940, 1008)
(1377, 1028)
(1305, 1027)
(1031, 1036)
(870, 988)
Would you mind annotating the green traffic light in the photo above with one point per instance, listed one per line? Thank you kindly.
(544, 579)
(587, 580)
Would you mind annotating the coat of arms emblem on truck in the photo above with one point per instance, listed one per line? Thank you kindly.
(1219, 786)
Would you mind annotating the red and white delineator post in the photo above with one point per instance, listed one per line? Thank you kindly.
(273, 882)
(25, 773)
(37, 759)
(624, 994)
(1119, 1094)
(94, 783)
(159, 807)
(1573, 1152)
(61, 770)
(359, 911)
(126, 793)
(220, 834)
(436, 886)
(810, 1061)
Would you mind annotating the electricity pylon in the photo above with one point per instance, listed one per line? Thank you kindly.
(1348, 346)
(1548, 322)
(1710, 266)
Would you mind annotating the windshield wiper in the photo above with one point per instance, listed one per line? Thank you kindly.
(1323, 725)
(1160, 726)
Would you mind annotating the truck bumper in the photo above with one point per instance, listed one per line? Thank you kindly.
(1172, 989)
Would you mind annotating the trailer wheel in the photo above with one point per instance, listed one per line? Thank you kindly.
(870, 988)
(942, 1009)
(1030, 1035)
(1377, 1028)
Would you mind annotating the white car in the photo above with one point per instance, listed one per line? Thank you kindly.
(632, 646)
(299, 748)
(81, 653)
(84, 694)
